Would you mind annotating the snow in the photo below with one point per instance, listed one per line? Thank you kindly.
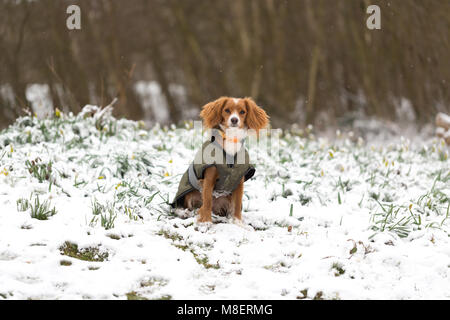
(40, 99)
(316, 208)
(444, 119)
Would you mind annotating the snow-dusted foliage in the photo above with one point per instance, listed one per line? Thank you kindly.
(84, 214)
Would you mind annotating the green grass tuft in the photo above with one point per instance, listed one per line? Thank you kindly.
(86, 254)
(41, 211)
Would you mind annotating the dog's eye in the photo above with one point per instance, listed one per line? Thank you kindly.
(242, 112)
(227, 110)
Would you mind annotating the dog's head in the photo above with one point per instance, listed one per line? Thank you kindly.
(227, 112)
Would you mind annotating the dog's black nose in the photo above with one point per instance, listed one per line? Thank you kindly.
(234, 120)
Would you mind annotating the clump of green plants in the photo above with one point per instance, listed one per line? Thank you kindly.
(374, 195)
(86, 254)
(41, 211)
(304, 199)
(344, 185)
(22, 204)
(123, 165)
(168, 235)
(388, 198)
(135, 296)
(39, 170)
(142, 162)
(93, 268)
(389, 220)
(304, 295)
(154, 282)
(201, 259)
(204, 261)
(106, 213)
(286, 192)
(106, 126)
(65, 263)
(150, 285)
(338, 269)
(38, 210)
(114, 236)
(430, 210)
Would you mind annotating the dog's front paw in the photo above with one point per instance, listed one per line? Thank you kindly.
(203, 226)
(204, 215)
(241, 224)
(204, 220)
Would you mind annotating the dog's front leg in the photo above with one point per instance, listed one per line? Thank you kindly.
(237, 201)
(209, 181)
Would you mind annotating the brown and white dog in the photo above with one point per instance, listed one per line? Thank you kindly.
(229, 115)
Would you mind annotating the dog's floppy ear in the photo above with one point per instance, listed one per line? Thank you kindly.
(212, 112)
(256, 118)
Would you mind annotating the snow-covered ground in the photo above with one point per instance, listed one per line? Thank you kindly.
(340, 219)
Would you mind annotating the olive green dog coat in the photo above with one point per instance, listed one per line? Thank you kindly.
(231, 169)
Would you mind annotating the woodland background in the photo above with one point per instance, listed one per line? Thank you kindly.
(304, 61)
